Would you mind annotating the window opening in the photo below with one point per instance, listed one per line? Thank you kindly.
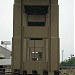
(35, 38)
(38, 56)
(36, 10)
(36, 23)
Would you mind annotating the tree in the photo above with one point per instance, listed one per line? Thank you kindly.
(68, 62)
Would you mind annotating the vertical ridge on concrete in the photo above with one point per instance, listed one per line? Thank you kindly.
(17, 36)
(49, 37)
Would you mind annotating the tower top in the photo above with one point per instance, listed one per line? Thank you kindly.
(52, 1)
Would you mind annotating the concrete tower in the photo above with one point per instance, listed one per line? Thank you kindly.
(35, 35)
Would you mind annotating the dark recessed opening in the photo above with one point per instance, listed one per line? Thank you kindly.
(1, 66)
(36, 24)
(36, 10)
(35, 38)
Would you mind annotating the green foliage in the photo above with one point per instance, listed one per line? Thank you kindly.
(68, 62)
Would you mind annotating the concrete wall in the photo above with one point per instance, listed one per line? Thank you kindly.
(41, 66)
(16, 36)
(41, 32)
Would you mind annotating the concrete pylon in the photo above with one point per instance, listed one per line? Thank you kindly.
(36, 35)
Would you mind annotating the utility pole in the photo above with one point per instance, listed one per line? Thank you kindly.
(62, 57)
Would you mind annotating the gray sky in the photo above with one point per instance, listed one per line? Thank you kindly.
(6, 20)
(66, 24)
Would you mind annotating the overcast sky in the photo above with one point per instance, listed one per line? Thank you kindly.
(6, 20)
(66, 24)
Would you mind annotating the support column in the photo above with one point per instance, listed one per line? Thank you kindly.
(17, 36)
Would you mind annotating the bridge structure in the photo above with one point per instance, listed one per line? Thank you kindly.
(35, 46)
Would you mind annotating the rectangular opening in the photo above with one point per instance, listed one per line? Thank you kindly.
(36, 24)
(36, 56)
(36, 10)
(36, 39)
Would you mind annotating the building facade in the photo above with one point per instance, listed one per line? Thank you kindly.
(4, 53)
(35, 35)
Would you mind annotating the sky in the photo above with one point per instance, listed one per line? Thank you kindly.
(66, 25)
(6, 21)
(74, 27)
